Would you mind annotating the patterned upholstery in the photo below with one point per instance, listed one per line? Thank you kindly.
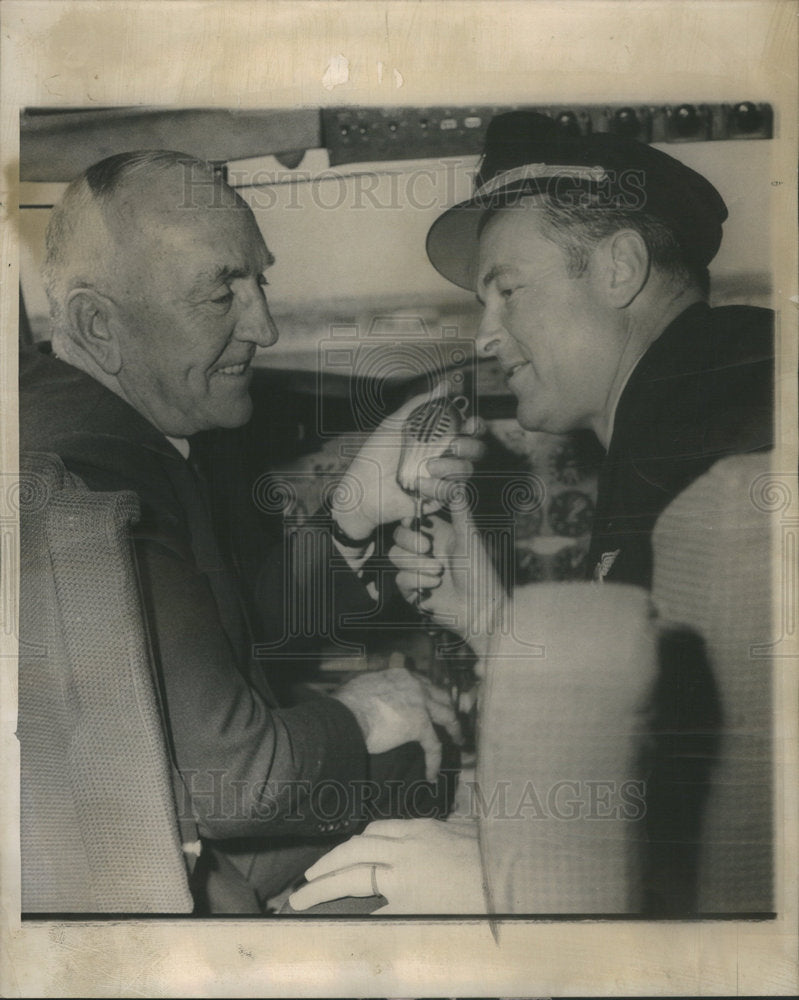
(99, 830)
(713, 573)
(561, 812)
(569, 729)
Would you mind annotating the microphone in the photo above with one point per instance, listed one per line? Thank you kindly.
(428, 433)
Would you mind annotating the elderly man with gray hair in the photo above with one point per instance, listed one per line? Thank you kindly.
(155, 272)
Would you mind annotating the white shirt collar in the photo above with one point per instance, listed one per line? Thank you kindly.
(181, 444)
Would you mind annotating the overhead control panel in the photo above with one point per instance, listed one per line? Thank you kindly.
(357, 134)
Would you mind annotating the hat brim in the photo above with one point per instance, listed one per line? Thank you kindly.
(452, 243)
(453, 238)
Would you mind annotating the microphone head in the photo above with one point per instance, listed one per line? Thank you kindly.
(427, 433)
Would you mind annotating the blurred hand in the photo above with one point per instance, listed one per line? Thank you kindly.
(420, 866)
(394, 707)
(446, 572)
(372, 474)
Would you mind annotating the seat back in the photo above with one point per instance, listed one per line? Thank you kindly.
(99, 830)
(713, 573)
(626, 762)
(565, 707)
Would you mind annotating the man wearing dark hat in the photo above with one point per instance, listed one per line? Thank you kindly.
(589, 256)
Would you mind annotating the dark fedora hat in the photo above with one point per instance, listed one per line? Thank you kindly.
(526, 154)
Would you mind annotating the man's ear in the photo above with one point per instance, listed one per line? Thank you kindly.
(91, 317)
(627, 267)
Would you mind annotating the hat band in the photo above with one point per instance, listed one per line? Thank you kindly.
(535, 171)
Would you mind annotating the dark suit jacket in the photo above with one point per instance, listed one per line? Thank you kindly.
(244, 760)
(703, 390)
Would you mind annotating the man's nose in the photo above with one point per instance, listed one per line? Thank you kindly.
(488, 334)
(255, 324)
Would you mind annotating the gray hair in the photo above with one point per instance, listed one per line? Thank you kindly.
(78, 237)
(578, 229)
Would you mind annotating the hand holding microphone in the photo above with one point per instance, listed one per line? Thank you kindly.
(373, 475)
(447, 572)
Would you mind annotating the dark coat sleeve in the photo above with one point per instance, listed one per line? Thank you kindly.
(306, 601)
(250, 769)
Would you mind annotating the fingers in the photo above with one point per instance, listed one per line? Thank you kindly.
(411, 584)
(474, 426)
(437, 491)
(418, 568)
(442, 713)
(466, 447)
(417, 542)
(418, 562)
(362, 850)
(432, 751)
(397, 829)
(449, 467)
(435, 693)
(416, 589)
(436, 530)
(430, 506)
(462, 527)
(432, 526)
(355, 881)
(408, 580)
(423, 604)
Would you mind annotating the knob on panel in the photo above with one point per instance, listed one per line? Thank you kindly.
(567, 123)
(686, 120)
(625, 122)
(747, 117)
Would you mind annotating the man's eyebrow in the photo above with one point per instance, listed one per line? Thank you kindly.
(495, 272)
(226, 273)
(492, 274)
